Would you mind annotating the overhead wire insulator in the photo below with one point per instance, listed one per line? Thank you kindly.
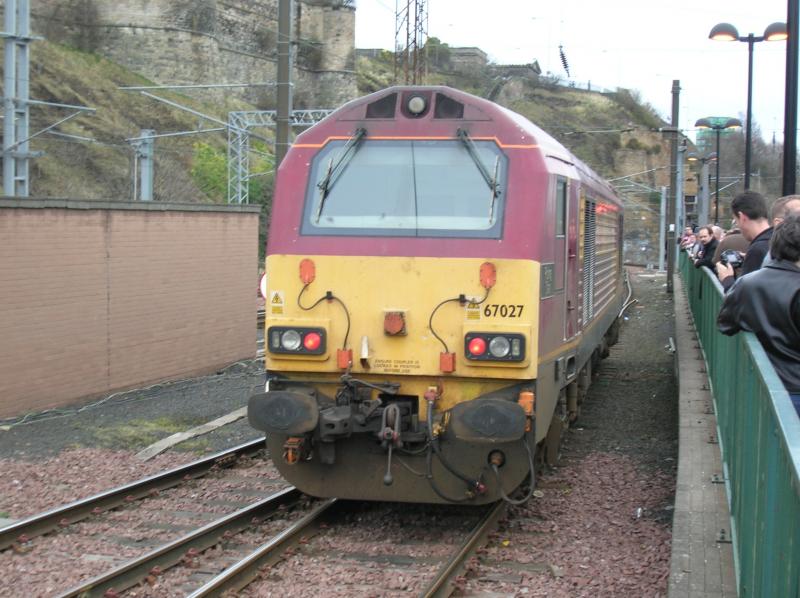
(564, 62)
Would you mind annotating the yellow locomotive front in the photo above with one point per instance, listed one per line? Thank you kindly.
(410, 233)
(400, 378)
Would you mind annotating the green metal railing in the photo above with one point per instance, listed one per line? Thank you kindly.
(759, 436)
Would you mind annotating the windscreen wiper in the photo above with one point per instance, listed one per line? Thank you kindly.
(473, 153)
(335, 170)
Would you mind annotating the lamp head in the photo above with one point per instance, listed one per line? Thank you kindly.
(724, 32)
(776, 32)
(731, 123)
(703, 123)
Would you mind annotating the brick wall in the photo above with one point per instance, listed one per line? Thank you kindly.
(100, 296)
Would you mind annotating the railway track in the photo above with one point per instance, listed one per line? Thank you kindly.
(324, 518)
(234, 548)
(321, 518)
(26, 529)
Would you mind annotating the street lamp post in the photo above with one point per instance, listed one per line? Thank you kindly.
(717, 125)
(727, 33)
(702, 206)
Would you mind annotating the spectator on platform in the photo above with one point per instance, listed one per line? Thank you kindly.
(687, 238)
(750, 214)
(767, 303)
(733, 240)
(719, 234)
(782, 207)
(705, 255)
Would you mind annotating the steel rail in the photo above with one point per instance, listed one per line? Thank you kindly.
(41, 523)
(441, 586)
(243, 572)
(132, 572)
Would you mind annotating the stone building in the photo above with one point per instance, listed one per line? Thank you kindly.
(211, 41)
(468, 59)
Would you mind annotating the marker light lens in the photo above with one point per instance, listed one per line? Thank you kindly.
(477, 346)
(312, 341)
(290, 340)
(262, 286)
(499, 346)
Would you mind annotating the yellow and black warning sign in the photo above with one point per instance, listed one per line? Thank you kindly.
(276, 302)
(473, 311)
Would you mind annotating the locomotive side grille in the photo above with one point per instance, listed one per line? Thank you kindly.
(589, 259)
(601, 270)
(607, 263)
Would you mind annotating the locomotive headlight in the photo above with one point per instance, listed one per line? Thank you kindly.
(290, 340)
(499, 346)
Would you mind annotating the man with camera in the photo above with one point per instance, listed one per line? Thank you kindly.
(750, 214)
(767, 303)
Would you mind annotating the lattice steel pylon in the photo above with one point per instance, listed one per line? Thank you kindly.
(239, 126)
(16, 82)
(411, 33)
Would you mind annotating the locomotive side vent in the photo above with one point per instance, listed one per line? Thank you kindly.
(383, 108)
(589, 259)
(447, 107)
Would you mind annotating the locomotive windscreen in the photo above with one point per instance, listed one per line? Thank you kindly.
(404, 187)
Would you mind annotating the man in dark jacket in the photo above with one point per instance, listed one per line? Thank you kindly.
(767, 303)
(750, 213)
(708, 245)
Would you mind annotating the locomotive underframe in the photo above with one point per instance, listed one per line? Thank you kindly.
(367, 441)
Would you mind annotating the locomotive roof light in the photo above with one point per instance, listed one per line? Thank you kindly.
(416, 105)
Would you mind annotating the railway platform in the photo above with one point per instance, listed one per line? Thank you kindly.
(736, 525)
(702, 554)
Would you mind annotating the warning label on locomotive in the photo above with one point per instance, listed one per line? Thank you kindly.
(396, 366)
(276, 302)
(473, 311)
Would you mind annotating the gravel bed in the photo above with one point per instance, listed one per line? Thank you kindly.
(28, 487)
(56, 562)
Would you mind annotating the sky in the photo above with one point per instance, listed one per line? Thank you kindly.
(637, 44)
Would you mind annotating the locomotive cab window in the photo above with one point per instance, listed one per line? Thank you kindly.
(425, 188)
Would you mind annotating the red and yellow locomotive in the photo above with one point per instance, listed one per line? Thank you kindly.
(442, 275)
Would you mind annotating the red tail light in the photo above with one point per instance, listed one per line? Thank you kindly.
(312, 341)
(477, 346)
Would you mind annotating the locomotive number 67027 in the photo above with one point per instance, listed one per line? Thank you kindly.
(449, 275)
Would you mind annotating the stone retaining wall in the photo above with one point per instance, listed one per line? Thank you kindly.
(210, 41)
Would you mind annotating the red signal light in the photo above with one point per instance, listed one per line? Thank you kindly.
(477, 346)
(312, 341)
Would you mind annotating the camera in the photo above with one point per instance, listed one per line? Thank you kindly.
(731, 257)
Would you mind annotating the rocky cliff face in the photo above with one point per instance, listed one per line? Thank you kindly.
(210, 41)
